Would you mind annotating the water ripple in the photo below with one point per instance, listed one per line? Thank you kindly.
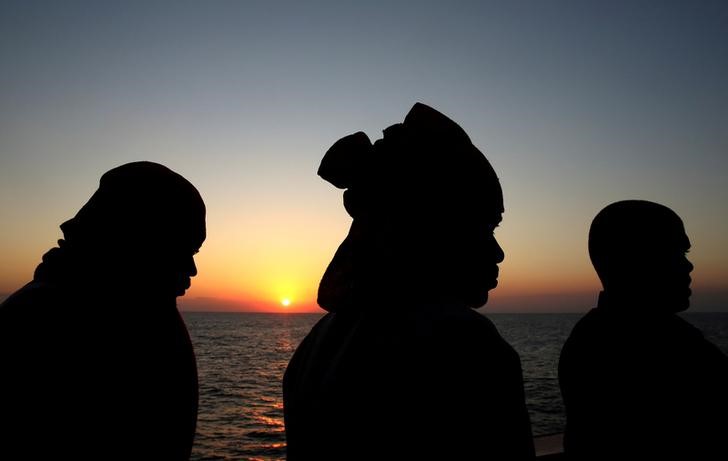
(242, 357)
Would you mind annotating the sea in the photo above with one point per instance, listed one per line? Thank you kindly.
(241, 358)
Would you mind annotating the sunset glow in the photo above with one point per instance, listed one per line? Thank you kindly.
(575, 108)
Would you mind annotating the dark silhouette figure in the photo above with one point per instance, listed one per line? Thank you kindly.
(95, 359)
(638, 381)
(402, 367)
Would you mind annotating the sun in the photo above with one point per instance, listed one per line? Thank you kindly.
(286, 302)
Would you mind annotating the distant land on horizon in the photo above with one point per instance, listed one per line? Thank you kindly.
(705, 300)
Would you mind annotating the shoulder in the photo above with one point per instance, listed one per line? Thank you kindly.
(472, 335)
(678, 326)
(36, 312)
(690, 339)
(312, 341)
(329, 326)
(595, 340)
(469, 324)
(595, 319)
(32, 296)
(29, 321)
(595, 327)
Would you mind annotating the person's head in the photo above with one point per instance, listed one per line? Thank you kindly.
(425, 204)
(140, 229)
(638, 249)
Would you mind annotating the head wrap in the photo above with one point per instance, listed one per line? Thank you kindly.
(140, 201)
(141, 210)
(409, 193)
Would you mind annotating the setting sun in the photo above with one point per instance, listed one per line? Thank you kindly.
(286, 302)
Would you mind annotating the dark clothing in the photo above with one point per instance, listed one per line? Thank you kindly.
(643, 386)
(405, 384)
(416, 374)
(95, 359)
(92, 374)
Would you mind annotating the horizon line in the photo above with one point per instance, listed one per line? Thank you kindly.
(688, 311)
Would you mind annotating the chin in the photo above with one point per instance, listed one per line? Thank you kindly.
(682, 306)
(478, 301)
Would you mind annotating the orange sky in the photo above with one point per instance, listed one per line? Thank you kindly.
(276, 246)
(260, 252)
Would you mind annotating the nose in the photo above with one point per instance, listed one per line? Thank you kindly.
(192, 267)
(689, 265)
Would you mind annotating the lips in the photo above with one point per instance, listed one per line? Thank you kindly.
(493, 279)
(182, 286)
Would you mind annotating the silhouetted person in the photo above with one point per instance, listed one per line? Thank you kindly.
(95, 359)
(638, 381)
(402, 367)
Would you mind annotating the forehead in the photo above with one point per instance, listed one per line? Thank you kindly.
(490, 210)
(180, 233)
(494, 208)
(666, 240)
(488, 198)
(488, 217)
(194, 238)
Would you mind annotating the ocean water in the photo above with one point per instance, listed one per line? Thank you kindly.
(241, 358)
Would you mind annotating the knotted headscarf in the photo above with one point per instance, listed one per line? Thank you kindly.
(141, 211)
(410, 194)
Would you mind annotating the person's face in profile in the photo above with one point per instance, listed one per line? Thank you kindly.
(167, 266)
(183, 267)
(651, 269)
(492, 255)
(664, 269)
(481, 255)
(182, 271)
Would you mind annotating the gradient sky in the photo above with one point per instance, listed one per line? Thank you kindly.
(576, 105)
